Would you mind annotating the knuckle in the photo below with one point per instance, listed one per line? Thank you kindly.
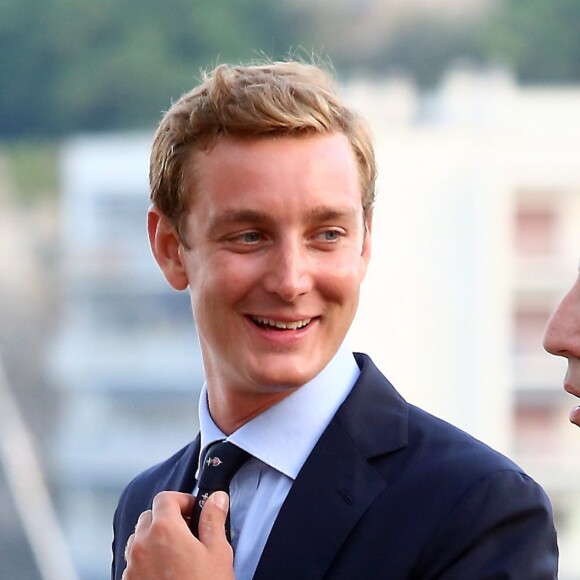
(138, 551)
(160, 529)
(162, 497)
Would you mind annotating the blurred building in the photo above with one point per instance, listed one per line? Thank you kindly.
(476, 235)
(125, 357)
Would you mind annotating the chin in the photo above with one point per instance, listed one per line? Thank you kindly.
(283, 377)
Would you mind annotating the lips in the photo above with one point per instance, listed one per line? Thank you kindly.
(280, 324)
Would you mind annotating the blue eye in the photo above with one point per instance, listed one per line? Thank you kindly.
(250, 237)
(330, 235)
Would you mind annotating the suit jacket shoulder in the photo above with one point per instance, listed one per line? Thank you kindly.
(392, 492)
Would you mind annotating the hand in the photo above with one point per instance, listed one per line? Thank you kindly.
(164, 547)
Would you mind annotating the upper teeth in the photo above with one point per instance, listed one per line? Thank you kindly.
(280, 324)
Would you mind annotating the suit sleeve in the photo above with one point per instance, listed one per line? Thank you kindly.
(135, 499)
(501, 528)
(119, 540)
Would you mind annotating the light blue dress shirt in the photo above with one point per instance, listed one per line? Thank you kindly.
(280, 440)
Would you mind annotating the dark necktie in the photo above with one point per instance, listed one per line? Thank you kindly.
(222, 461)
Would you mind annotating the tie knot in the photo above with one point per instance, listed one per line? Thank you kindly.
(222, 461)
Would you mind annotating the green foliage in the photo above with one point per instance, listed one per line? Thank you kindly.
(83, 65)
(31, 167)
(538, 39)
(423, 48)
(93, 65)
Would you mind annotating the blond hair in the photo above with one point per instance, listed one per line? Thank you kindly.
(259, 100)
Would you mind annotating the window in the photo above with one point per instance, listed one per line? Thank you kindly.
(537, 423)
(535, 227)
(121, 217)
(529, 324)
(128, 312)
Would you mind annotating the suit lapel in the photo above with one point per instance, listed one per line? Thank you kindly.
(337, 483)
(184, 475)
(181, 476)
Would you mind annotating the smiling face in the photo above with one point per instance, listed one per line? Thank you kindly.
(276, 254)
(562, 338)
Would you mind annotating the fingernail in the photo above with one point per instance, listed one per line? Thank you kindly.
(220, 499)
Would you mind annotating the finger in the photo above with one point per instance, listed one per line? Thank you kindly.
(143, 523)
(575, 416)
(212, 523)
(128, 546)
(173, 503)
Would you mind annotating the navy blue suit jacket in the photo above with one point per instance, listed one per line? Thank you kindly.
(388, 492)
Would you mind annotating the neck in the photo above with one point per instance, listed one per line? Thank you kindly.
(232, 409)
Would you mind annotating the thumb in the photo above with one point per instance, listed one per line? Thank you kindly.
(212, 522)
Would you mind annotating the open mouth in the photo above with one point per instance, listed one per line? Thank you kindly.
(280, 324)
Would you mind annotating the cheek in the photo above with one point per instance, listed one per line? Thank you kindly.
(349, 268)
(224, 282)
(205, 291)
(341, 281)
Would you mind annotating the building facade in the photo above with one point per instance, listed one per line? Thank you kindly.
(126, 358)
(476, 236)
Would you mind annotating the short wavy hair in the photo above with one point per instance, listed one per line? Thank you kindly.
(287, 98)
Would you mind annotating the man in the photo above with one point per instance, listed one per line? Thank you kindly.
(262, 186)
(562, 338)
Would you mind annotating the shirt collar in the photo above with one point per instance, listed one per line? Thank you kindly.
(284, 435)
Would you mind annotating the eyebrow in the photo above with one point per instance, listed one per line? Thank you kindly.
(325, 213)
(240, 216)
(236, 216)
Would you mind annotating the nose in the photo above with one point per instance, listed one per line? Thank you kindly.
(562, 336)
(290, 271)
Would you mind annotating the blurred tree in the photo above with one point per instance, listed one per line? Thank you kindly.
(84, 65)
(414, 39)
(538, 39)
(422, 47)
(76, 65)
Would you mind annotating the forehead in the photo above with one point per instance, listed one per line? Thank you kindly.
(284, 169)
(310, 150)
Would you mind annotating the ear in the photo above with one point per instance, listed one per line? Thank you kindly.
(165, 245)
